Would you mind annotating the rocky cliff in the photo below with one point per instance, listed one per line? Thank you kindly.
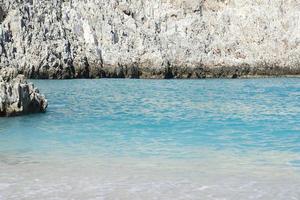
(150, 39)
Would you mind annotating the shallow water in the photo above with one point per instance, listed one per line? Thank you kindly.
(156, 139)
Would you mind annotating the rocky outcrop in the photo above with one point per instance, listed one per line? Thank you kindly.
(150, 39)
(17, 97)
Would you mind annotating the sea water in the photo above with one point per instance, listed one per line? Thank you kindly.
(156, 139)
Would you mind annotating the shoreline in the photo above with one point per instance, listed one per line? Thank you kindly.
(133, 72)
(183, 79)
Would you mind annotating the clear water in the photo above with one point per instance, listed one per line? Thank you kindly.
(156, 139)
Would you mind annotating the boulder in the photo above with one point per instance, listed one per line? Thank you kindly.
(18, 97)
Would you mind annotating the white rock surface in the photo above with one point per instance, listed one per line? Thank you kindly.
(17, 97)
(150, 39)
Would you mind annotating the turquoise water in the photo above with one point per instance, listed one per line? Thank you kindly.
(186, 133)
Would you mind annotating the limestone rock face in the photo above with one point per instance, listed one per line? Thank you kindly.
(150, 39)
(17, 97)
